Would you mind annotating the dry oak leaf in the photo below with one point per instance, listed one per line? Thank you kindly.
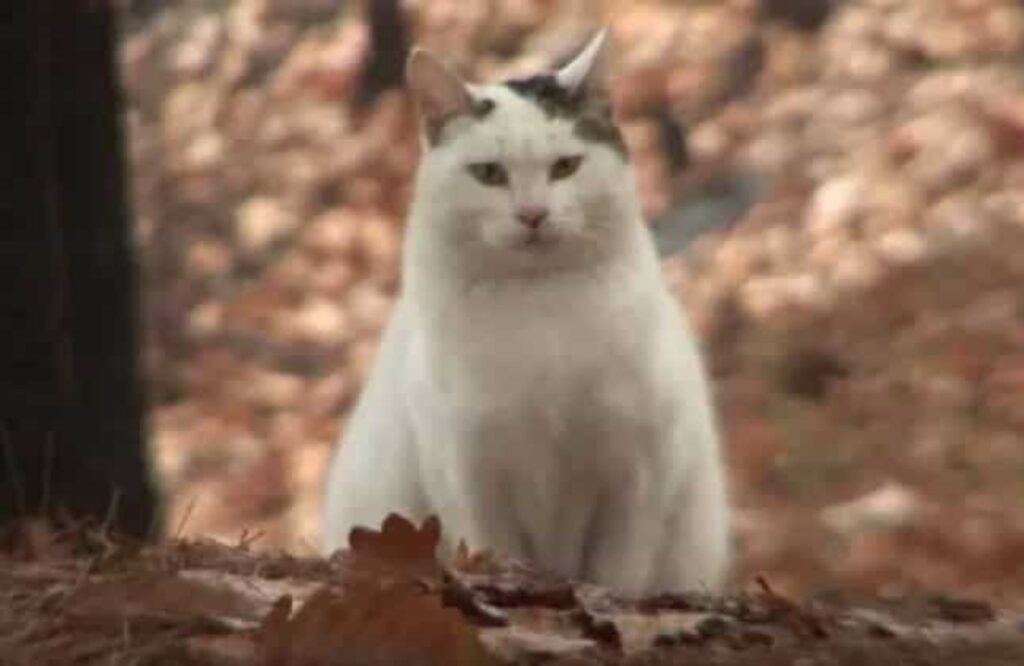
(395, 626)
(398, 550)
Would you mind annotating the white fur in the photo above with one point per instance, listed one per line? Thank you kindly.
(547, 401)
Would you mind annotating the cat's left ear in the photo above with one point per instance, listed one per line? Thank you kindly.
(587, 74)
(439, 93)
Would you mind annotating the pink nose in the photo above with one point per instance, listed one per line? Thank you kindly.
(532, 216)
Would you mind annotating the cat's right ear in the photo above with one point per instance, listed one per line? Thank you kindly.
(587, 74)
(438, 92)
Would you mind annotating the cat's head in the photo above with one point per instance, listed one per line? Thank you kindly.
(530, 173)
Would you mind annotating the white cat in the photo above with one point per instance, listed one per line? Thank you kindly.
(537, 387)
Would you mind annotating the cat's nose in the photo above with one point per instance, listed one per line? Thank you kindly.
(532, 217)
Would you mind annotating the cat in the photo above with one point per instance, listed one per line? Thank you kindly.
(537, 386)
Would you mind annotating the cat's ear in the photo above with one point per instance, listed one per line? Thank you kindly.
(439, 93)
(587, 73)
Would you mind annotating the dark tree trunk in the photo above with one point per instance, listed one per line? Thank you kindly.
(389, 47)
(71, 406)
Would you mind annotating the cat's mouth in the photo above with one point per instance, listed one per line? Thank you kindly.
(536, 240)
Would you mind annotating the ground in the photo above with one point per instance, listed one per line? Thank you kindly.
(82, 596)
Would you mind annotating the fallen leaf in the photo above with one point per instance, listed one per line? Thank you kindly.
(398, 549)
(382, 626)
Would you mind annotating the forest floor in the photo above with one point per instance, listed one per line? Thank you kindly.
(83, 597)
(864, 320)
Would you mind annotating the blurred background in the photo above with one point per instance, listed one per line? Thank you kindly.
(839, 183)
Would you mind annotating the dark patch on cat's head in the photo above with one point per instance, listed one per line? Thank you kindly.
(592, 116)
(601, 129)
(544, 91)
(481, 109)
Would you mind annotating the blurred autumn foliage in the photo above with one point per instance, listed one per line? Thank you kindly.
(864, 321)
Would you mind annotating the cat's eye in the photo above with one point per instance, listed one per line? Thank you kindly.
(489, 173)
(565, 166)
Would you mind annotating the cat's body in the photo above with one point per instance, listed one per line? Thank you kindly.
(537, 387)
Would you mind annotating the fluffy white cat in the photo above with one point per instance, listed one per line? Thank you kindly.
(538, 387)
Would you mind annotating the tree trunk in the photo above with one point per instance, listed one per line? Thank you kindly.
(71, 404)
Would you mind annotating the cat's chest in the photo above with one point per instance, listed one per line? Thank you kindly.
(544, 359)
(563, 390)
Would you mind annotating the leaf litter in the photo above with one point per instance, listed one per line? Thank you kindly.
(388, 600)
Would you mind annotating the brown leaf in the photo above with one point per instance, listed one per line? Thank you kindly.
(369, 625)
(801, 620)
(599, 630)
(518, 587)
(397, 549)
(275, 632)
(952, 609)
(456, 594)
